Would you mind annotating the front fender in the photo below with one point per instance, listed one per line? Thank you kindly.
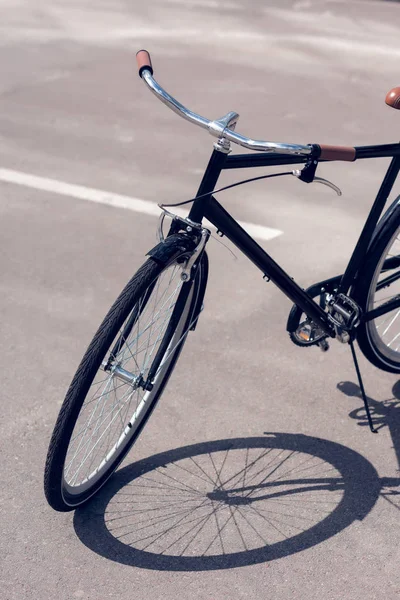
(171, 247)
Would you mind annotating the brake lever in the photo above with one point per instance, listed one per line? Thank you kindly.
(329, 184)
(297, 173)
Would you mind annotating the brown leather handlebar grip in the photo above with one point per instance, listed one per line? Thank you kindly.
(337, 152)
(393, 98)
(143, 61)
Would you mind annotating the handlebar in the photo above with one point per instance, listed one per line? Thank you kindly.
(223, 128)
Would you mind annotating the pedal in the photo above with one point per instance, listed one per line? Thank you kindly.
(305, 332)
(345, 315)
(308, 334)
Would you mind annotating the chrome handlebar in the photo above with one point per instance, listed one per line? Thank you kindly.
(173, 104)
(220, 128)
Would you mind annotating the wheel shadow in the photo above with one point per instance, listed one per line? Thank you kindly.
(385, 414)
(228, 503)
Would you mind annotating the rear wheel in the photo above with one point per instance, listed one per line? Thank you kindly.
(121, 377)
(379, 339)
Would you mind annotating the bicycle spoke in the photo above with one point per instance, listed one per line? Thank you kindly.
(113, 408)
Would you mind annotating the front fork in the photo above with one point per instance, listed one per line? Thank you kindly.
(200, 236)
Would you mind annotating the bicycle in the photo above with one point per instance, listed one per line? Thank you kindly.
(128, 363)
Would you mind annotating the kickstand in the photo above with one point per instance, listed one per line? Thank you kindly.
(364, 397)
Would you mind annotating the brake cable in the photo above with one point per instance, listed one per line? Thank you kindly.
(227, 187)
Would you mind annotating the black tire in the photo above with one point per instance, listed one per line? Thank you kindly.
(379, 339)
(115, 340)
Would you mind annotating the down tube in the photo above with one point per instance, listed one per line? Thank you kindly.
(218, 216)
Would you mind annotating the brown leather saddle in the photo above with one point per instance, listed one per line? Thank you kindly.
(393, 98)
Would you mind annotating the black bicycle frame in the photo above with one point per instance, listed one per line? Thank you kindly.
(208, 207)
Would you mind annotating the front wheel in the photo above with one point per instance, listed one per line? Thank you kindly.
(121, 377)
(379, 282)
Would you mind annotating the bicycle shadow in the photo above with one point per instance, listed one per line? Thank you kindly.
(228, 503)
(385, 414)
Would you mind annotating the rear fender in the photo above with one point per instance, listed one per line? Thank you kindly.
(393, 212)
(330, 285)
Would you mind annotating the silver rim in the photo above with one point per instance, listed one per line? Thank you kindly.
(384, 331)
(115, 405)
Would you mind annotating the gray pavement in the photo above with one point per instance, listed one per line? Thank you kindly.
(73, 109)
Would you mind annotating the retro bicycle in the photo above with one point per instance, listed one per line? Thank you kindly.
(127, 365)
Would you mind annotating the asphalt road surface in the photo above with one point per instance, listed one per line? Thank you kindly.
(244, 401)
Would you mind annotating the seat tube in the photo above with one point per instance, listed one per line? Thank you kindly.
(210, 178)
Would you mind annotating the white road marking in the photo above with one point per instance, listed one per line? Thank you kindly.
(102, 197)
